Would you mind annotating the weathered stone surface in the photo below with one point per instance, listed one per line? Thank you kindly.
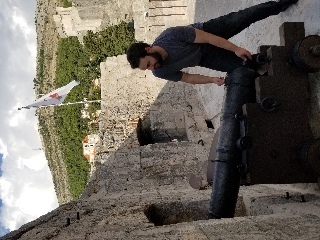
(81, 17)
(133, 184)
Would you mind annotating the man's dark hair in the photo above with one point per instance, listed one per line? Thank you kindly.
(135, 52)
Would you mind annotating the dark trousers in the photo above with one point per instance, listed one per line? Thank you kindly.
(229, 25)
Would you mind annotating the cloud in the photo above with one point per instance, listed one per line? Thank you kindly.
(3, 230)
(26, 187)
(24, 190)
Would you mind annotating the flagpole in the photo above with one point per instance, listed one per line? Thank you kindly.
(61, 104)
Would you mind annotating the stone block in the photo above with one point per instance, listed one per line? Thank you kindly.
(112, 234)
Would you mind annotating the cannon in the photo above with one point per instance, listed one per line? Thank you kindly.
(227, 165)
(265, 135)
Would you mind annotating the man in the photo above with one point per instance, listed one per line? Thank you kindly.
(201, 44)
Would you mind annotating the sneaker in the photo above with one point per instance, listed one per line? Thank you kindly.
(287, 3)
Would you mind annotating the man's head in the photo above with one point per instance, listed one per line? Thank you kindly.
(141, 55)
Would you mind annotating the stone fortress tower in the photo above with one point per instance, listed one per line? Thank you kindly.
(85, 15)
(155, 135)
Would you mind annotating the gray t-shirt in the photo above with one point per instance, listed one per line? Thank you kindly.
(178, 42)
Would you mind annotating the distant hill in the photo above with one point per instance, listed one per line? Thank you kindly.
(47, 43)
(59, 61)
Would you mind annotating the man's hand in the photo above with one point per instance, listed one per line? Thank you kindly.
(243, 53)
(218, 80)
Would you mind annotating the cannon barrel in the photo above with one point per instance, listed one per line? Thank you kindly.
(240, 89)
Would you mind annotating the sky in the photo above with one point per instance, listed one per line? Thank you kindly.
(26, 187)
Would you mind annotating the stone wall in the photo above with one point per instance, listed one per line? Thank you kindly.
(167, 110)
(152, 17)
(140, 190)
(173, 123)
(177, 212)
(94, 16)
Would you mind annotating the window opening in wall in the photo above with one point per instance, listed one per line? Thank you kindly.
(144, 133)
(158, 134)
(177, 212)
(209, 124)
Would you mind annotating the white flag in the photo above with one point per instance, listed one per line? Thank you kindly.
(53, 98)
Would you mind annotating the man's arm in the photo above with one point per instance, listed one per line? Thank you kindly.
(204, 37)
(200, 79)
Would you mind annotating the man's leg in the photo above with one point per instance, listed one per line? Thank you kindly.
(233, 23)
(219, 59)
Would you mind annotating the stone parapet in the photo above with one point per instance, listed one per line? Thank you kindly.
(163, 109)
(178, 212)
(151, 166)
(152, 17)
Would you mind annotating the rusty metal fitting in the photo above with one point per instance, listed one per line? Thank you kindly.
(306, 54)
